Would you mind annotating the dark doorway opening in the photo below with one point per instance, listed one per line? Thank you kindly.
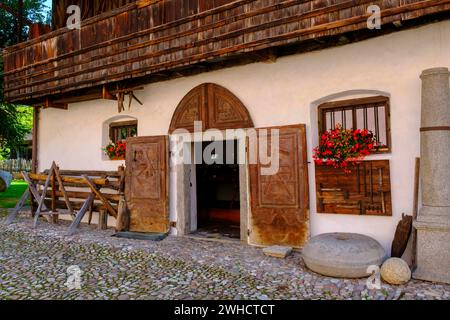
(218, 192)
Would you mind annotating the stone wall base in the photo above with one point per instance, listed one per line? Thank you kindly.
(433, 252)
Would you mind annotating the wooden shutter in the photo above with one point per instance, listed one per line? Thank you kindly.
(279, 203)
(147, 184)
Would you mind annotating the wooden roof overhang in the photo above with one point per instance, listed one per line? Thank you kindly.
(155, 40)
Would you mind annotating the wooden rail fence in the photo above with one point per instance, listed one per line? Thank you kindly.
(15, 165)
(57, 192)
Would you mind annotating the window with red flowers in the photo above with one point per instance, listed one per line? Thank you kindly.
(370, 113)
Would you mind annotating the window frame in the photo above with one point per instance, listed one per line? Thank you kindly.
(121, 124)
(354, 104)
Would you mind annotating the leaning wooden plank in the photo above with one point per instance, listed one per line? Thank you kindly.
(33, 189)
(73, 227)
(12, 216)
(44, 191)
(100, 196)
(63, 190)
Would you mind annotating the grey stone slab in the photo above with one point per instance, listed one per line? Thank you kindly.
(278, 251)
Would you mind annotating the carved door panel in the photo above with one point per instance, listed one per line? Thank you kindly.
(147, 184)
(279, 202)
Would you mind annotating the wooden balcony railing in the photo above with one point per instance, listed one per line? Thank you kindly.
(152, 37)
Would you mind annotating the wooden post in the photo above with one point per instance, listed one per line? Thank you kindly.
(55, 217)
(34, 152)
(122, 216)
(102, 220)
(35, 162)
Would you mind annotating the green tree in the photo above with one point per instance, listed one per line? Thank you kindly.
(15, 121)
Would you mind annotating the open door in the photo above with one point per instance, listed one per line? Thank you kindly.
(147, 184)
(279, 202)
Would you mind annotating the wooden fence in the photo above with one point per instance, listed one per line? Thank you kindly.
(15, 165)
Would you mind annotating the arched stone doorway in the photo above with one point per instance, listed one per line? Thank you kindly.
(211, 197)
(215, 106)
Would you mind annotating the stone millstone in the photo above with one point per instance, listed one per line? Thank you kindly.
(278, 251)
(343, 255)
(5, 180)
(396, 271)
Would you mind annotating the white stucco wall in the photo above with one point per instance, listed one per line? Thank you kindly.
(282, 93)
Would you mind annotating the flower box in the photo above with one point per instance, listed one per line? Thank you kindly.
(116, 151)
(341, 148)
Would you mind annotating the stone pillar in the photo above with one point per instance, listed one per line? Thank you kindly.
(433, 221)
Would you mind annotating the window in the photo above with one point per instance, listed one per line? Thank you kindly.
(122, 130)
(365, 113)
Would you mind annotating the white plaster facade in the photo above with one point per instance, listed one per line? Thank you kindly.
(282, 93)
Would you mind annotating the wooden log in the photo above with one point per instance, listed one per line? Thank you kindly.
(77, 181)
(90, 173)
(83, 195)
(77, 204)
(100, 196)
(73, 227)
(12, 216)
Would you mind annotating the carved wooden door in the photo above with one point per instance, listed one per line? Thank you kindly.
(279, 202)
(147, 184)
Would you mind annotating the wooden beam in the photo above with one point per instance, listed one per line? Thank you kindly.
(107, 95)
(100, 196)
(52, 104)
(63, 190)
(79, 181)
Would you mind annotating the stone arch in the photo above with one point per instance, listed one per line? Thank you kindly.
(215, 106)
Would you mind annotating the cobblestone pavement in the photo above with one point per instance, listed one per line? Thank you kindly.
(33, 265)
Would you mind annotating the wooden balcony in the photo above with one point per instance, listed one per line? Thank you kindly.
(153, 40)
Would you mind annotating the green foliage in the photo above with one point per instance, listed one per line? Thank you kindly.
(34, 10)
(10, 198)
(15, 121)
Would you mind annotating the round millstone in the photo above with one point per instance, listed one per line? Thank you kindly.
(396, 271)
(343, 255)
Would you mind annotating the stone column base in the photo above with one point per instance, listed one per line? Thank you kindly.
(433, 251)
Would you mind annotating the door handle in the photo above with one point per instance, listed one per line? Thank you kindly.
(135, 154)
